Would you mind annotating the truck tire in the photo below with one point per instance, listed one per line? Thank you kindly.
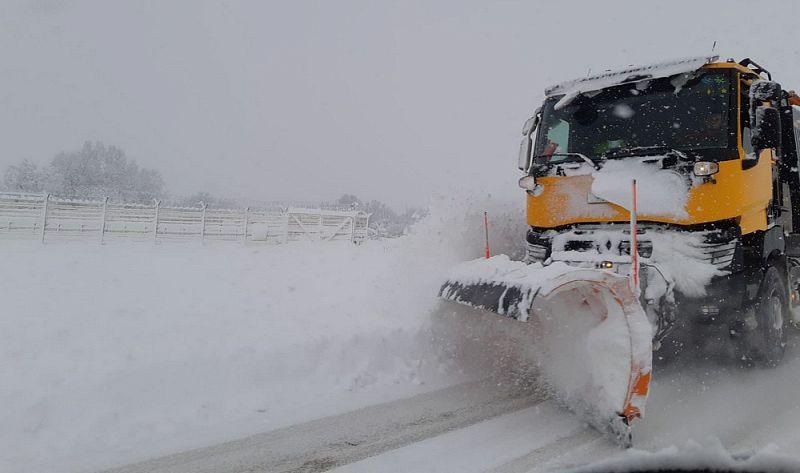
(768, 340)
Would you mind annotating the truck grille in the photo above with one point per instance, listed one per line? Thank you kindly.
(535, 253)
(718, 254)
(716, 247)
(644, 247)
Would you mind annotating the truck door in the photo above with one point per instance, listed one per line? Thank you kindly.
(791, 181)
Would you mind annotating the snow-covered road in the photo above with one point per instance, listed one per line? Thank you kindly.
(498, 427)
(343, 439)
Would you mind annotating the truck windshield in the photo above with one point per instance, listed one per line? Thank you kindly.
(661, 113)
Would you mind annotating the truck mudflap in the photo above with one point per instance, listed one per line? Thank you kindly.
(592, 338)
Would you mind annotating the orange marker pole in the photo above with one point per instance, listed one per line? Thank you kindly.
(634, 242)
(486, 229)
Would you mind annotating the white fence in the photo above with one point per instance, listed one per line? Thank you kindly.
(47, 218)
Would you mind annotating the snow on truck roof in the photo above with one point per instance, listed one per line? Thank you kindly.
(629, 74)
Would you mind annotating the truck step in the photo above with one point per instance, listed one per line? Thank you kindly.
(793, 244)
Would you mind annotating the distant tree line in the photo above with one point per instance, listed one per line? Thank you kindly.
(96, 171)
(92, 172)
(383, 219)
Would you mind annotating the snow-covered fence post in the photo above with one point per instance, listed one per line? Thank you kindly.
(203, 222)
(157, 204)
(103, 221)
(44, 214)
(246, 222)
(286, 228)
(266, 225)
(366, 227)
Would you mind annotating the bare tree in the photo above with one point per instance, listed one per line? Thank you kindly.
(24, 177)
(97, 170)
(200, 198)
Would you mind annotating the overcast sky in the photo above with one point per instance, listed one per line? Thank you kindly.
(307, 100)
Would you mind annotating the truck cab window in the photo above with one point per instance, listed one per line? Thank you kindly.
(557, 141)
(645, 114)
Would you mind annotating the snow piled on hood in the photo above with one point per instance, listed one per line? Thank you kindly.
(661, 192)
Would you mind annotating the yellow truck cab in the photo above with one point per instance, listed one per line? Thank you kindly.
(712, 146)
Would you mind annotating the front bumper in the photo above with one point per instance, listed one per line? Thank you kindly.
(725, 296)
(719, 247)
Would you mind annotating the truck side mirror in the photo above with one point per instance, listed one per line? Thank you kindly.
(766, 132)
(526, 146)
(524, 160)
(765, 91)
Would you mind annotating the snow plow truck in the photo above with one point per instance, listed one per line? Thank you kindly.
(657, 196)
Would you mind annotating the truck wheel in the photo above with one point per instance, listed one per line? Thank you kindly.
(768, 340)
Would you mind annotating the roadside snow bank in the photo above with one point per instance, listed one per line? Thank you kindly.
(694, 456)
(118, 351)
(111, 354)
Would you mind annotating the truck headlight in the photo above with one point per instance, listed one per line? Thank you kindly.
(527, 182)
(645, 248)
(705, 168)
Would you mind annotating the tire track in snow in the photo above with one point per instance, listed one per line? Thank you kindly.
(338, 440)
(549, 452)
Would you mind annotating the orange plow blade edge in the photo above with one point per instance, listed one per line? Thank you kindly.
(592, 336)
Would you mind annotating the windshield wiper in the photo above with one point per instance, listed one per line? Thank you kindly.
(643, 151)
(581, 157)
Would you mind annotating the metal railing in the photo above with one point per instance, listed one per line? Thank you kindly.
(48, 218)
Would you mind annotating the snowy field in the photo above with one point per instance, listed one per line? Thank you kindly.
(117, 350)
(119, 353)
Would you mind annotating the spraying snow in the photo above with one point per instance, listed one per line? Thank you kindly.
(591, 337)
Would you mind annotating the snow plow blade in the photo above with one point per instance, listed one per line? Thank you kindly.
(591, 334)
